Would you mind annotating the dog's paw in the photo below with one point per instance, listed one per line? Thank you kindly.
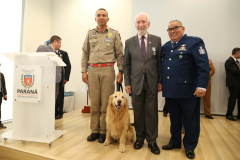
(122, 148)
(128, 142)
(106, 143)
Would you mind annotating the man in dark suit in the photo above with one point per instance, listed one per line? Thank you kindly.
(3, 94)
(60, 100)
(142, 66)
(233, 82)
(185, 74)
(54, 46)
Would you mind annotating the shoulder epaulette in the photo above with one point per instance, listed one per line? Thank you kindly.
(195, 38)
(114, 29)
(91, 29)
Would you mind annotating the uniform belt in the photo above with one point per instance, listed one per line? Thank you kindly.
(101, 64)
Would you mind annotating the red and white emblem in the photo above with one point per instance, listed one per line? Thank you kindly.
(28, 80)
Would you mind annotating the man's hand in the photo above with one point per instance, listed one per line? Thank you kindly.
(159, 87)
(65, 81)
(85, 77)
(5, 97)
(128, 89)
(199, 93)
(119, 77)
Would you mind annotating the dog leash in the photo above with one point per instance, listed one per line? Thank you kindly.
(119, 86)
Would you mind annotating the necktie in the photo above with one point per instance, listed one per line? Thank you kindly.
(174, 44)
(238, 63)
(143, 48)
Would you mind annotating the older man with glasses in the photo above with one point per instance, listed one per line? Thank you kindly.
(185, 74)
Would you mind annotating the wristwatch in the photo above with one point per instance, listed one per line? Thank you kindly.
(121, 71)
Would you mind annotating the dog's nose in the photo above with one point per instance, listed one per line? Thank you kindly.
(119, 102)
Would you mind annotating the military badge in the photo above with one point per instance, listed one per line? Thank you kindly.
(180, 56)
(94, 34)
(182, 48)
(201, 50)
(109, 34)
(154, 50)
(108, 42)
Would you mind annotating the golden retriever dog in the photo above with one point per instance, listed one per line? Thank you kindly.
(118, 122)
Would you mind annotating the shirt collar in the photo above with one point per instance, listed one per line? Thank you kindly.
(139, 36)
(100, 31)
(233, 58)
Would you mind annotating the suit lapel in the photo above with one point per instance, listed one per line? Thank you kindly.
(234, 62)
(137, 46)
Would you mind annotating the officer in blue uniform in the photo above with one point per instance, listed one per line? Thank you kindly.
(185, 74)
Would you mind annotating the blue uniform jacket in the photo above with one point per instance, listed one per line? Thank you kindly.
(184, 67)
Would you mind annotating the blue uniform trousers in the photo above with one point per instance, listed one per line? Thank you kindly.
(184, 111)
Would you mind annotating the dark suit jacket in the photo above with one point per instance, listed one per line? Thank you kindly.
(4, 91)
(184, 68)
(66, 60)
(135, 64)
(232, 73)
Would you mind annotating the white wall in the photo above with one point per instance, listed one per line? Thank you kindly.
(10, 33)
(215, 21)
(72, 19)
(37, 23)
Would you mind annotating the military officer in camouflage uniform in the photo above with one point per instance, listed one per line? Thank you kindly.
(102, 47)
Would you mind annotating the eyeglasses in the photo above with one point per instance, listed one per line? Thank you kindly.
(173, 29)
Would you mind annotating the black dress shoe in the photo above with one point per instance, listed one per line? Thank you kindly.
(164, 114)
(58, 116)
(170, 147)
(154, 148)
(190, 154)
(93, 137)
(209, 116)
(2, 126)
(138, 144)
(231, 118)
(102, 138)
